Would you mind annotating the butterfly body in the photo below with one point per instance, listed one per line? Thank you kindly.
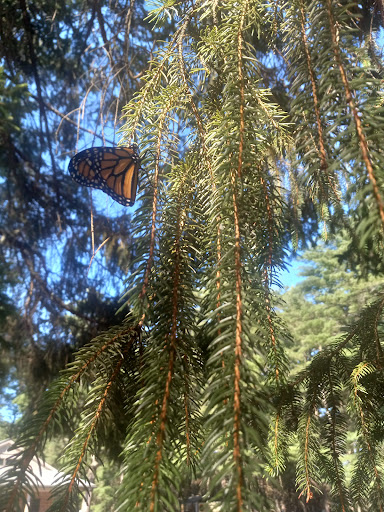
(112, 170)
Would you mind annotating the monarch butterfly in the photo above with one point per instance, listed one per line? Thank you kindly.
(112, 170)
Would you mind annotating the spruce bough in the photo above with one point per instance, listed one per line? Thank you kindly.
(261, 118)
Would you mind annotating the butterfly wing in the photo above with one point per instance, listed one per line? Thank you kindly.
(82, 168)
(112, 170)
(118, 171)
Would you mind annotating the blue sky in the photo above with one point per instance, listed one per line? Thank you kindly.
(290, 276)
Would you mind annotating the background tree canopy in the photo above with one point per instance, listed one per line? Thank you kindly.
(261, 126)
(61, 79)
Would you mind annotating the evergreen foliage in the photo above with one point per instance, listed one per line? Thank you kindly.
(198, 367)
(61, 75)
(329, 298)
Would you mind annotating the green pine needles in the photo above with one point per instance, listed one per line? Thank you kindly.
(250, 113)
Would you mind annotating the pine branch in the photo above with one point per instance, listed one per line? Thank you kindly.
(237, 451)
(321, 144)
(65, 494)
(356, 117)
(337, 438)
(35, 430)
(361, 371)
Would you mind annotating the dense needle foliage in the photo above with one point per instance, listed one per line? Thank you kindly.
(251, 113)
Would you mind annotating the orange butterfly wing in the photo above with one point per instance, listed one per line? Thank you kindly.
(112, 170)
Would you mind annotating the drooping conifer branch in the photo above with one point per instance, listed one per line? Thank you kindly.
(360, 371)
(295, 203)
(312, 151)
(337, 348)
(154, 212)
(308, 484)
(186, 410)
(160, 134)
(163, 419)
(322, 153)
(379, 349)
(351, 103)
(336, 435)
(35, 445)
(307, 477)
(90, 431)
(276, 466)
(153, 81)
(235, 178)
(267, 270)
(207, 162)
(171, 347)
(204, 151)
